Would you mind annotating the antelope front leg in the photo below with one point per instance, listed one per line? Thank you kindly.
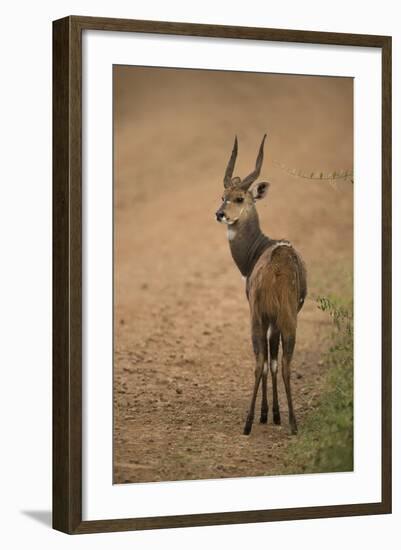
(260, 348)
(265, 407)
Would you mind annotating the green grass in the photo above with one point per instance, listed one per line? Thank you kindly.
(325, 440)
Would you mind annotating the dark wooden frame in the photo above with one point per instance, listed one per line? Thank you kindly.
(67, 277)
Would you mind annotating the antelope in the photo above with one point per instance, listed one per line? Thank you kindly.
(275, 284)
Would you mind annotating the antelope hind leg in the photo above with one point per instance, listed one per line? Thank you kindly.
(274, 341)
(288, 350)
(260, 348)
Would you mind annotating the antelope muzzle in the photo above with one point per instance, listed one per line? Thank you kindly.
(220, 215)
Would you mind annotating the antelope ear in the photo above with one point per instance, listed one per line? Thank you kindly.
(260, 190)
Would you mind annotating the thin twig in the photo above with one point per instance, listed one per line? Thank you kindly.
(331, 176)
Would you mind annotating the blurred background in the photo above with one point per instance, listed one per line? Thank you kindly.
(183, 364)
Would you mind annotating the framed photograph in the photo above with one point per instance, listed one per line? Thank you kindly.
(222, 274)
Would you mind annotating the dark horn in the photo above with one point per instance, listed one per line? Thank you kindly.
(247, 182)
(231, 163)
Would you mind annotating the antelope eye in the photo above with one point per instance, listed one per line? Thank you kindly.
(223, 199)
(239, 199)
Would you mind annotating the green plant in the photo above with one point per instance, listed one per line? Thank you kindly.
(325, 443)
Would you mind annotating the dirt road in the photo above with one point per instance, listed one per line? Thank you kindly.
(183, 364)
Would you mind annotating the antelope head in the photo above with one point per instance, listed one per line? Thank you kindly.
(239, 196)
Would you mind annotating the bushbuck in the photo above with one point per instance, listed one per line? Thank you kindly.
(275, 284)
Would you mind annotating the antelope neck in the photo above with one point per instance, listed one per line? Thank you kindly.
(247, 242)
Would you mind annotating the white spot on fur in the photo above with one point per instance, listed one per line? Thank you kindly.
(273, 365)
(231, 233)
(265, 368)
(282, 243)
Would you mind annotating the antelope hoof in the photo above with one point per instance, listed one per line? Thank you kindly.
(248, 427)
(276, 418)
(263, 417)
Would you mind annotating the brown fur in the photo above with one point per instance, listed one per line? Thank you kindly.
(276, 288)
